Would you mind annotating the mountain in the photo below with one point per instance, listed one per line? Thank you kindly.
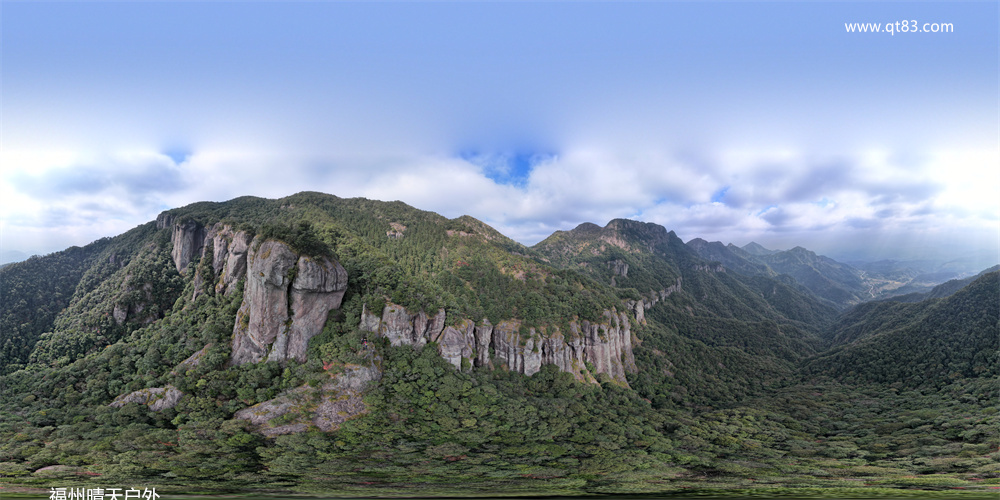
(943, 290)
(312, 344)
(762, 326)
(834, 281)
(837, 284)
(8, 256)
(755, 249)
(731, 257)
(925, 343)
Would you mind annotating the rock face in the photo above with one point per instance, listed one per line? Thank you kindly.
(157, 398)
(638, 307)
(607, 345)
(164, 220)
(401, 327)
(192, 361)
(132, 310)
(619, 267)
(717, 268)
(286, 300)
(655, 297)
(229, 257)
(188, 239)
(325, 408)
(191, 240)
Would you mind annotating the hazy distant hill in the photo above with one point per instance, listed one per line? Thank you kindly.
(8, 256)
(754, 248)
(732, 257)
(943, 290)
(839, 284)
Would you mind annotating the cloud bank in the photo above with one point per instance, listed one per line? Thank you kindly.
(740, 122)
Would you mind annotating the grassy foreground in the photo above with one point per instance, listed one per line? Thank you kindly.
(852, 488)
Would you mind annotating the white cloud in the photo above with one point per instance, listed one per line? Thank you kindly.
(53, 200)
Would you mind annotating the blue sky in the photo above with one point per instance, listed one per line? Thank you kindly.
(731, 121)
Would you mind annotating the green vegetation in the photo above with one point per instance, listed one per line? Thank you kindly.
(746, 385)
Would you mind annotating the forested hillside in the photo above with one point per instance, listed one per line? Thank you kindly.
(929, 343)
(315, 344)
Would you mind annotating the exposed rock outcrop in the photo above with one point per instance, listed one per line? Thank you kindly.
(286, 300)
(229, 257)
(131, 304)
(619, 267)
(655, 297)
(164, 220)
(157, 398)
(638, 307)
(119, 313)
(326, 408)
(606, 345)
(192, 360)
(188, 239)
(191, 240)
(717, 268)
(396, 232)
(458, 342)
(401, 327)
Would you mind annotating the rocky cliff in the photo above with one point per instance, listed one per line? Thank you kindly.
(606, 345)
(188, 241)
(286, 300)
(307, 407)
(228, 247)
(639, 307)
(229, 256)
(157, 398)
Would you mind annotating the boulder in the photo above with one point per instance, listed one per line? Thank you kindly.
(157, 398)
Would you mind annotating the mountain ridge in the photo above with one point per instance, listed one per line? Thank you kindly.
(328, 343)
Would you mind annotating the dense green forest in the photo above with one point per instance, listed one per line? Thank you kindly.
(740, 380)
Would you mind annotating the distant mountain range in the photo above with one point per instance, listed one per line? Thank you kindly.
(8, 256)
(839, 284)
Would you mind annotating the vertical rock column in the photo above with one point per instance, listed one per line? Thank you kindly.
(319, 286)
(188, 240)
(280, 314)
(264, 310)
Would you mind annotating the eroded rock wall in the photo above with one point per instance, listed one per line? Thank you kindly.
(324, 408)
(286, 300)
(229, 251)
(606, 345)
(402, 327)
(188, 239)
(157, 398)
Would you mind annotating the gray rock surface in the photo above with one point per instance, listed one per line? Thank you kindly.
(325, 408)
(192, 360)
(401, 327)
(607, 345)
(264, 310)
(655, 296)
(457, 342)
(318, 287)
(164, 220)
(236, 262)
(188, 240)
(265, 327)
(157, 398)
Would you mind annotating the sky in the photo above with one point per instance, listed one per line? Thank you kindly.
(727, 121)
